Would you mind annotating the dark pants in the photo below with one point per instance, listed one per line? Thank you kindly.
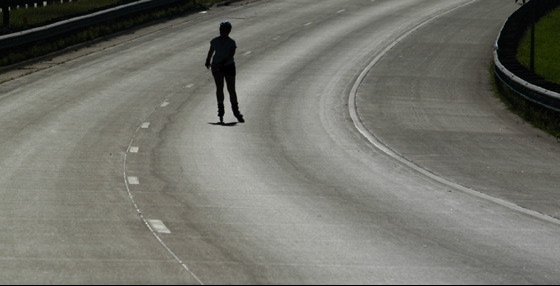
(226, 73)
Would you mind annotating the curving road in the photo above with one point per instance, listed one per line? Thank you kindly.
(374, 152)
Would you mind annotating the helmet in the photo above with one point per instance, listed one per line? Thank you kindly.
(225, 25)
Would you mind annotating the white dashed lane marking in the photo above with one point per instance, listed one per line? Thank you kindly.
(158, 226)
(133, 180)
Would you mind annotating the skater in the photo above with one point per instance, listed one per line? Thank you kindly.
(222, 49)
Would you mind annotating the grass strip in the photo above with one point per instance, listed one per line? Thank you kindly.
(547, 65)
(28, 17)
(547, 51)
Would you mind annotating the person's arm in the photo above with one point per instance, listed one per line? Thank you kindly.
(232, 52)
(209, 56)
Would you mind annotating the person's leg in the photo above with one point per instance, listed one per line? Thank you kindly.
(230, 82)
(230, 72)
(219, 80)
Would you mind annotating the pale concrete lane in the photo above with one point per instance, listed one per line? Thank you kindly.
(297, 195)
(437, 108)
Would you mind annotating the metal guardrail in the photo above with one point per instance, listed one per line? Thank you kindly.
(510, 72)
(41, 33)
(547, 98)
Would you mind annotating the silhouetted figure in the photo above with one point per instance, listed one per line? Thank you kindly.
(518, 0)
(223, 67)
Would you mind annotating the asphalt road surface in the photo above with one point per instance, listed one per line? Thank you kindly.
(373, 152)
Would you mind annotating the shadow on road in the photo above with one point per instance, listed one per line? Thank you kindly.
(229, 124)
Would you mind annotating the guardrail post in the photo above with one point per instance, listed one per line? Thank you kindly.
(5, 13)
(532, 51)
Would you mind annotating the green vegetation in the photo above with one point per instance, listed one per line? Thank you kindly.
(23, 18)
(26, 18)
(547, 65)
(547, 51)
